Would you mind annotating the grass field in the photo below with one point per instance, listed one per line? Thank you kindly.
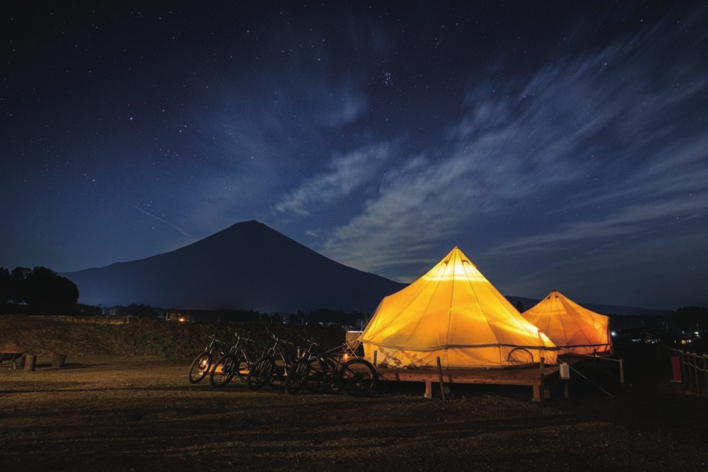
(141, 413)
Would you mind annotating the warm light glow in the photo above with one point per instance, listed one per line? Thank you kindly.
(455, 267)
(454, 314)
(574, 329)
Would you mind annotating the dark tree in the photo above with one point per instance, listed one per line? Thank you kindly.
(691, 317)
(5, 288)
(339, 317)
(297, 319)
(18, 285)
(43, 288)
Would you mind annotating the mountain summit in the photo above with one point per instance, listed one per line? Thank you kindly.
(246, 266)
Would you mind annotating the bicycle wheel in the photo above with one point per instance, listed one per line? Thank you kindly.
(320, 375)
(260, 373)
(242, 369)
(223, 371)
(297, 376)
(278, 374)
(200, 367)
(357, 377)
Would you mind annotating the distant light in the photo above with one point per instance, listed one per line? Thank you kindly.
(613, 333)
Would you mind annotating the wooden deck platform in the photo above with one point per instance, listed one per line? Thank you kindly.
(534, 376)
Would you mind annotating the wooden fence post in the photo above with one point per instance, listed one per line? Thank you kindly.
(699, 390)
(683, 367)
(442, 384)
(542, 381)
(622, 374)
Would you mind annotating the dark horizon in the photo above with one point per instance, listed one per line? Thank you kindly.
(258, 237)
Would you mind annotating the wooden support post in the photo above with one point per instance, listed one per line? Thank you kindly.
(536, 393)
(30, 362)
(428, 389)
(564, 370)
(689, 372)
(442, 384)
(622, 374)
(698, 379)
(538, 396)
(375, 355)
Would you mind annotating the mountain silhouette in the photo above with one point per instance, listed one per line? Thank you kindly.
(246, 266)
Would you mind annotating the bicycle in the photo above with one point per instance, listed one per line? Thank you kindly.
(201, 365)
(272, 368)
(237, 362)
(321, 371)
(307, 372)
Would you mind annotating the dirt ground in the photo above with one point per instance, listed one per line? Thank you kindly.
(109, 414)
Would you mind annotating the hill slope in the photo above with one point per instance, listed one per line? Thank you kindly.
(246, 266)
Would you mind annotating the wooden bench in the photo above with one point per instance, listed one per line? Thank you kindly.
(30, 360)
(12, 357)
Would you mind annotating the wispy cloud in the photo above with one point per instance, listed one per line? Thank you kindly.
(270, 130)
(614, 275)
(602, 128)
(344, 174)
(630, 221)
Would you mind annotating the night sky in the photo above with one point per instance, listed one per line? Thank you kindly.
(561, 145)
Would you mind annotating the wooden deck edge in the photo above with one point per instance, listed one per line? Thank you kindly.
(524, 377)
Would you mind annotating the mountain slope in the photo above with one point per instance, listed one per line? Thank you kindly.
(246, 266)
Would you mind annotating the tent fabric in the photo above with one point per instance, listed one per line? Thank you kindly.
(453, 313)
(574, 329)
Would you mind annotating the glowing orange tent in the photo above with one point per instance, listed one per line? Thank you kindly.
(453, 312)
(574, 329)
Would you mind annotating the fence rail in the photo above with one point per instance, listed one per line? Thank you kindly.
(691, 370)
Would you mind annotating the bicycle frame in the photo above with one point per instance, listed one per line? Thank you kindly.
(201, 365)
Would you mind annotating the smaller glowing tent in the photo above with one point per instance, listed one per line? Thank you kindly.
(453, 312)
(574, 329)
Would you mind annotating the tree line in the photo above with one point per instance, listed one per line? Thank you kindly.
(40, 288)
